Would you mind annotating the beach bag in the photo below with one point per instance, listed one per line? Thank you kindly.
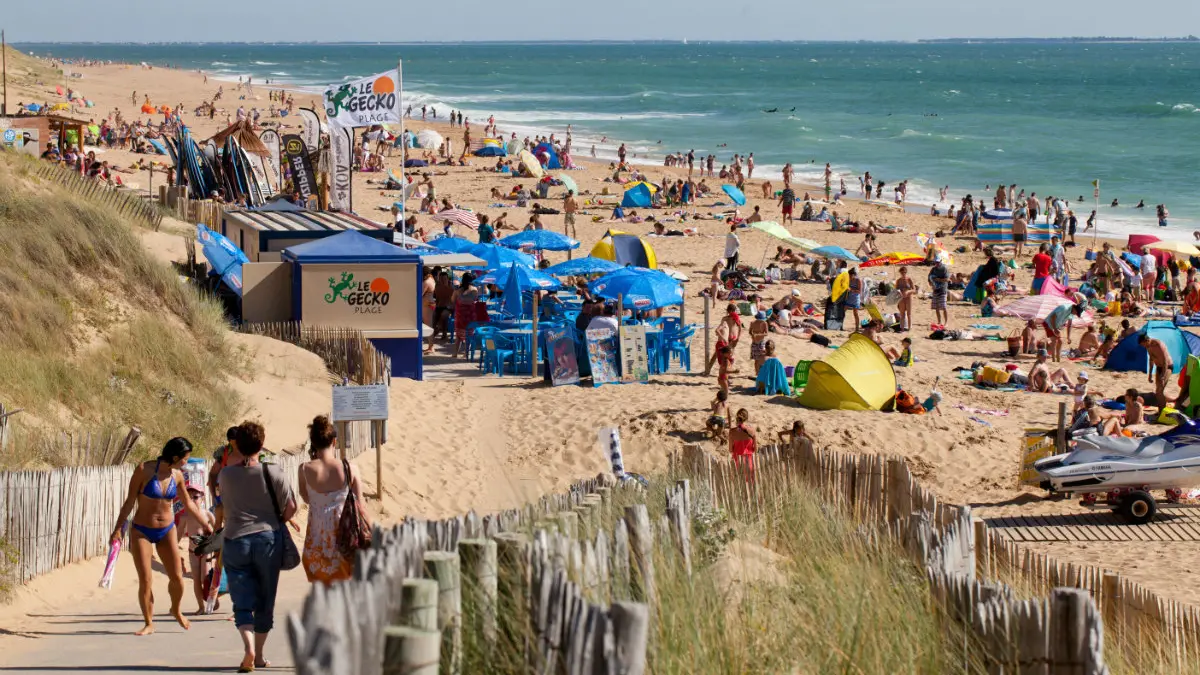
(353, 531)
(291, 554)
(907, 403)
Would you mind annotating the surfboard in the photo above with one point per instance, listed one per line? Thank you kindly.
(841, 284)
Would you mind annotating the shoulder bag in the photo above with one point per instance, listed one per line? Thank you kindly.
(353, 530)
(291, 555)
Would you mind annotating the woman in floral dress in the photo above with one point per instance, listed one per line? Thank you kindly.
(324, 483)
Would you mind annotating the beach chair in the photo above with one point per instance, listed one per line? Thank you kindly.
(499, 352)
(800, 375)
(678, 344)
(1192, 370)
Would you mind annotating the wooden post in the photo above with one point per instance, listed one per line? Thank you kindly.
(641, 549)
(419, 604)
(707, 331)
(479, 563)
(631, 634)
(533, 339)
(411, 651)
(512, 594)
(1060, 440)
(443, 567)
(378, 426)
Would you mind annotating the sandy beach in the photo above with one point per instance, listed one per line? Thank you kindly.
(485, 443)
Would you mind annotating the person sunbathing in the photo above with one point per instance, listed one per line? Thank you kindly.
(1089, 342)
(1106, 423)
(1029, 338)
(1135, 407)
(1042, 381)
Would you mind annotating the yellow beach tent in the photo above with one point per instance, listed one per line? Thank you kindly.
(625, 249)
(857, 376)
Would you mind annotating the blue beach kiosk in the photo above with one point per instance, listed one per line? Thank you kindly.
(351, 280)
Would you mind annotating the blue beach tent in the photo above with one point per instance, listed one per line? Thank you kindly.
(545, 149)
(1128, 355)
(638, 195)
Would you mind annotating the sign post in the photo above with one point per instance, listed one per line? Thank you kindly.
(358, 403)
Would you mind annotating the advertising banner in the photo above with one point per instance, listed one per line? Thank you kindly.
(270, 138)
(341, 146)
(602, 355)
(564, 368)
(361, 103)
(310, 128)
(295, 153)
(635, 366)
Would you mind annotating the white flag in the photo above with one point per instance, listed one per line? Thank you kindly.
(361, 103)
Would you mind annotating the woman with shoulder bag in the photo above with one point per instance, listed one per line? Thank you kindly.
(333, 492)
(258, 503)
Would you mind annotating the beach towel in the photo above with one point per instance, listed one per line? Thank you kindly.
(986, 326)
(772, 379)
(981, 411)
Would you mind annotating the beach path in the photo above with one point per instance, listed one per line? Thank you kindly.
(95, 634)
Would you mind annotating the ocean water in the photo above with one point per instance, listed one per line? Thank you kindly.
(1051, 118)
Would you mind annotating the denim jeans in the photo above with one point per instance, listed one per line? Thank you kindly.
(252, 563)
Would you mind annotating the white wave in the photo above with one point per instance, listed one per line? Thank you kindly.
(265, 63)
(909, 133)
(221, 63)
(281, 73)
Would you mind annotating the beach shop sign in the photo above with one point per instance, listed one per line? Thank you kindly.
(361, 103)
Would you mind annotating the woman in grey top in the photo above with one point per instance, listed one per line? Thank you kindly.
(253, 549)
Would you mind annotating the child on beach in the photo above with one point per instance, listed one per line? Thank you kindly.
(719, 414)
(743, 443)
(903, 357)
(758, 337)
(1080, 391)
(1135, 407)
(201, 565)
(724, 357)
(795, 436)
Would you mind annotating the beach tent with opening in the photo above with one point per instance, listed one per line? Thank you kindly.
(1129, 355)
(545, 150)
(858, 376)
(624, 249)
(637, 196)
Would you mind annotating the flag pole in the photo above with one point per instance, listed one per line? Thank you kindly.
(1096, 198)
(403, 144)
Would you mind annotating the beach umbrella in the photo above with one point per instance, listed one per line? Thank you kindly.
(527, 279)
(491, 151)
(772, 228)
(454, 244)
(513, 147)
(225, 258)
(896, 258)
(428, 139)
(540, 240)
(33, 107)
(639, 288)
(1038, 307)
(458, 217)
(1180, 247)
(532, 165)
(568, 182)
(585, 265)
(835, 252)
(998, 214)
(496, 257)
(801, 242)
(674, 274)
(735, 194)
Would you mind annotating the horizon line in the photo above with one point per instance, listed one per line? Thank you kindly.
(914, 41)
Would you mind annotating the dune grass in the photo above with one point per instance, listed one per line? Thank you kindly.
(95, 334)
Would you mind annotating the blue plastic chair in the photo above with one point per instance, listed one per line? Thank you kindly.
(679, 345)
(499, 352)
(478, 332)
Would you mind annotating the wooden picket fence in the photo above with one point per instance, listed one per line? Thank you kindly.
(191, 211)
(124, 201)
(346, 351)
(454, 596)
(970, 568)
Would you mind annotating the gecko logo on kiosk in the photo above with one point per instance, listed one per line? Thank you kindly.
(365, 297)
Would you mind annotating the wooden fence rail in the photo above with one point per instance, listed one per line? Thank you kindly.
(346, 351)
(124, 201)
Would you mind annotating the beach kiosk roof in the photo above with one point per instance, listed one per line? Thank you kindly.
(263, 233)
(349, 245)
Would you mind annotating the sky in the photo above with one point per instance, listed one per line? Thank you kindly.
(459, 20)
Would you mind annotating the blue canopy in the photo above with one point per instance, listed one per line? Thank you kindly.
(491, 151)
(735, 194)
(453, 244)
(640, 288)
(541, 240)
(496, 257)
(350, 245)
(545, 149)
(527, 279)
(33, 107)
(638, 195)
(586, 265)
(836, 252)
(223, 256)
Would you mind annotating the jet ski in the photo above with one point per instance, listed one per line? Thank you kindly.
(1125, 470)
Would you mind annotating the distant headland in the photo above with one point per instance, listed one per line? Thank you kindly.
(1055, 40)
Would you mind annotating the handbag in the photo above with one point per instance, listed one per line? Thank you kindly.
(291, 555)
(353, 530)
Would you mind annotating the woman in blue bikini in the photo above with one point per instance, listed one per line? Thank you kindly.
(154, 488)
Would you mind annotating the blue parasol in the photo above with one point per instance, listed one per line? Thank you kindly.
(735, 194)
(585, 265)
(225, 259)
(527, 279)
(453, 244)
(835, 252)
(540, 240)
(640, 288)
(497, 256)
